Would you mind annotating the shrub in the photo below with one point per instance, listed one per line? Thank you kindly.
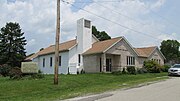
(142, 70)
(39, 71)
(77, 71)
(5, 69)
(15, 73)
(124, 71)
(117, 73)
(82, 71)
(165, 68)
(152, 66)
(131, 70)
(37, 76)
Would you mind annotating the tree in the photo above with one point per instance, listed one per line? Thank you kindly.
(41, 49)
(170, 49)
(100, 35)
(12, 44)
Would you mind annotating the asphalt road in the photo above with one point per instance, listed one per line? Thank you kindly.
(168, 90)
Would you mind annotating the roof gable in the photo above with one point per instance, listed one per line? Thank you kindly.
(122, 46)
(101, 46)
(145, 51)
(159, 53)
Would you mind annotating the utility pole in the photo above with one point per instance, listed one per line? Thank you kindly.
(57, 44)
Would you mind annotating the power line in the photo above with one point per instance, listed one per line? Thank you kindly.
(111, 20)
(162, 17)
(121, 14)
(105, 1)
(128, 17)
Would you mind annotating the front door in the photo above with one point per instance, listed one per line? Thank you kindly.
(108, 65)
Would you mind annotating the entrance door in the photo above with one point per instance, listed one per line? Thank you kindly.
(108, 65)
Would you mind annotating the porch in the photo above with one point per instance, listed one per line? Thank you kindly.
(110, 62)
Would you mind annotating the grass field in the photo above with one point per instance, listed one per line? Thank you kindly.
(69, 86)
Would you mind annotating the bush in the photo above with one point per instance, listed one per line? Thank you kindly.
(37, 76)
(117, 73)
(142, 70)
(124, 71)
(5, 69)
(15, 73)
(40, 72)
(152, 66)
(131, 70)
(77, 71)
(82, 71)
(165, 68)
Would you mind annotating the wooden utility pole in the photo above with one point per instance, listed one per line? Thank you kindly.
(57, 44)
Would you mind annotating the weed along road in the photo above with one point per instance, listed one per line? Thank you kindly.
(168, 90)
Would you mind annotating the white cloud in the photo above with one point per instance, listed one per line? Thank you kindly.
(172, 36)
(37, 19)
(158, 4)
(31, 42)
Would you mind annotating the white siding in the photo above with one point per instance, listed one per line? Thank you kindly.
(84, 39)
(84, 36)
(63, 69)
(73, 60)
(73, 56)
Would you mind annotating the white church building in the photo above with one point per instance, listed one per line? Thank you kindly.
(88, 53)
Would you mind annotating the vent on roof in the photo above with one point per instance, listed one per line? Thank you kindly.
(87, 23)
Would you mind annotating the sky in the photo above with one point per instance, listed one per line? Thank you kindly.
(142, 22)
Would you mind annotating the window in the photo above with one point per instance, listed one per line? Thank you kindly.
(59, 60)
(130, 60)
(87, 23)
(50, 61)
(79, 59)
(43, 62)
(159, 61)
(133, 60)
(127, 59)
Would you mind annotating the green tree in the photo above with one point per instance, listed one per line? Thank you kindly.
(41, 49)
(170, 49)
(100, 35)
(12, 44)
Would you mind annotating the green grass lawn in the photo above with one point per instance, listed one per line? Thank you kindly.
(69, 86)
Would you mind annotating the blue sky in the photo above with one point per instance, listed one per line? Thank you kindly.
(156, 20)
